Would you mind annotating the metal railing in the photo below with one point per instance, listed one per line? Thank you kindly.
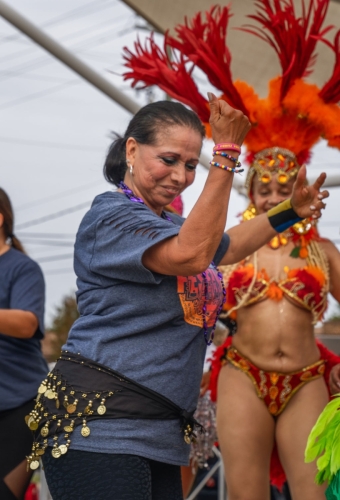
(221, 492)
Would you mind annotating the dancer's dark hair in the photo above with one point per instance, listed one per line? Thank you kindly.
(8, 225)
(143, 128)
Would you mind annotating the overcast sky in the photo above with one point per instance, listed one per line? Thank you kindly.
(55, 129)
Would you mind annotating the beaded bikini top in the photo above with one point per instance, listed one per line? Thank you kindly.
(306, 287)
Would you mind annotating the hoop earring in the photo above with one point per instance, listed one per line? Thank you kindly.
(131, 169)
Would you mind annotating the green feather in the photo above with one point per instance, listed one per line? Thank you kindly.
(335, 456)
(319, 438)
(333, 490)
(324, 460)
(320, 477)
(324, 442)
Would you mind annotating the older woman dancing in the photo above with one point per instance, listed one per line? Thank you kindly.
(109, 416)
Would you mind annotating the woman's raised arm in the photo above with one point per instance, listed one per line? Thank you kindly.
(193, 249)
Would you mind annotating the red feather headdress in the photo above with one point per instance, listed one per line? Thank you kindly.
(295, 114)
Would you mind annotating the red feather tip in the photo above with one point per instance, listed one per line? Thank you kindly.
(204, 43)
(152, 66)
(293, 38)
(330, 92)
(249, 157)
(304, 157)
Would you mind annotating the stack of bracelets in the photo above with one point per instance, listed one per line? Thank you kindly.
(220, 150)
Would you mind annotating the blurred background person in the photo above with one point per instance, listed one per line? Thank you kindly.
(22, 366)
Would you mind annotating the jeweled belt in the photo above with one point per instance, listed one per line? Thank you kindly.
(79, 390)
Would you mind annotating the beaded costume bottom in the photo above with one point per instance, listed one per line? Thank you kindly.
(275, 389)
(202, 446)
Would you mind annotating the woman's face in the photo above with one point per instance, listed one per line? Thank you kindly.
(161, 171)
(267, 196)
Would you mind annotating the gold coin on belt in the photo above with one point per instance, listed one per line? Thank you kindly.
(50, 395)
(71, 408)
(42, 389)
(63, 449)
(101, 409)
(27, 419)
(34, 464)
(68, 428)
(187, 439)
(44, 431)
(57, 404)
(47, 392)
(56, 453)
(33, 425)
(39, 452)
(85, 431)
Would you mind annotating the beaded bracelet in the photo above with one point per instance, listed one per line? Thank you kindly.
(227, 146)
(227, 167)
(225, 155)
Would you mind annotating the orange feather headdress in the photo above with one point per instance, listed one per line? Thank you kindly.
(294, 115)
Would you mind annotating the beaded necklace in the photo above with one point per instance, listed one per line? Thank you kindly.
(132, 197)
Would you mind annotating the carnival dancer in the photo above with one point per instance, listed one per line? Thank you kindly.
(22, 300)
(278, 389)
(272, 386)
(115, 416)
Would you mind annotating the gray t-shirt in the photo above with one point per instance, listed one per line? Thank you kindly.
(22, 365)
(145, 325)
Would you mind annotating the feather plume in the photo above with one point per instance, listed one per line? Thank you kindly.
(324, 442)
(295, 115)
(330, 92)
(204, 43)
(293, 38)
(152, 66)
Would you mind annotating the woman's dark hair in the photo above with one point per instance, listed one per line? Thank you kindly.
(7, 212)
(144, 127)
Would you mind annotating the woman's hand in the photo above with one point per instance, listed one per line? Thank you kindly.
(307, 200)
(227, 124)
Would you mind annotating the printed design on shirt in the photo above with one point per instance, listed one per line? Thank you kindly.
(191, 293)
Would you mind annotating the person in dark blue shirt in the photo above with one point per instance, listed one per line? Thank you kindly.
(22, 366)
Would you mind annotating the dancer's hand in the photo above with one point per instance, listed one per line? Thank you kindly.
(334, 379)
(227, 124)
(307, 200)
